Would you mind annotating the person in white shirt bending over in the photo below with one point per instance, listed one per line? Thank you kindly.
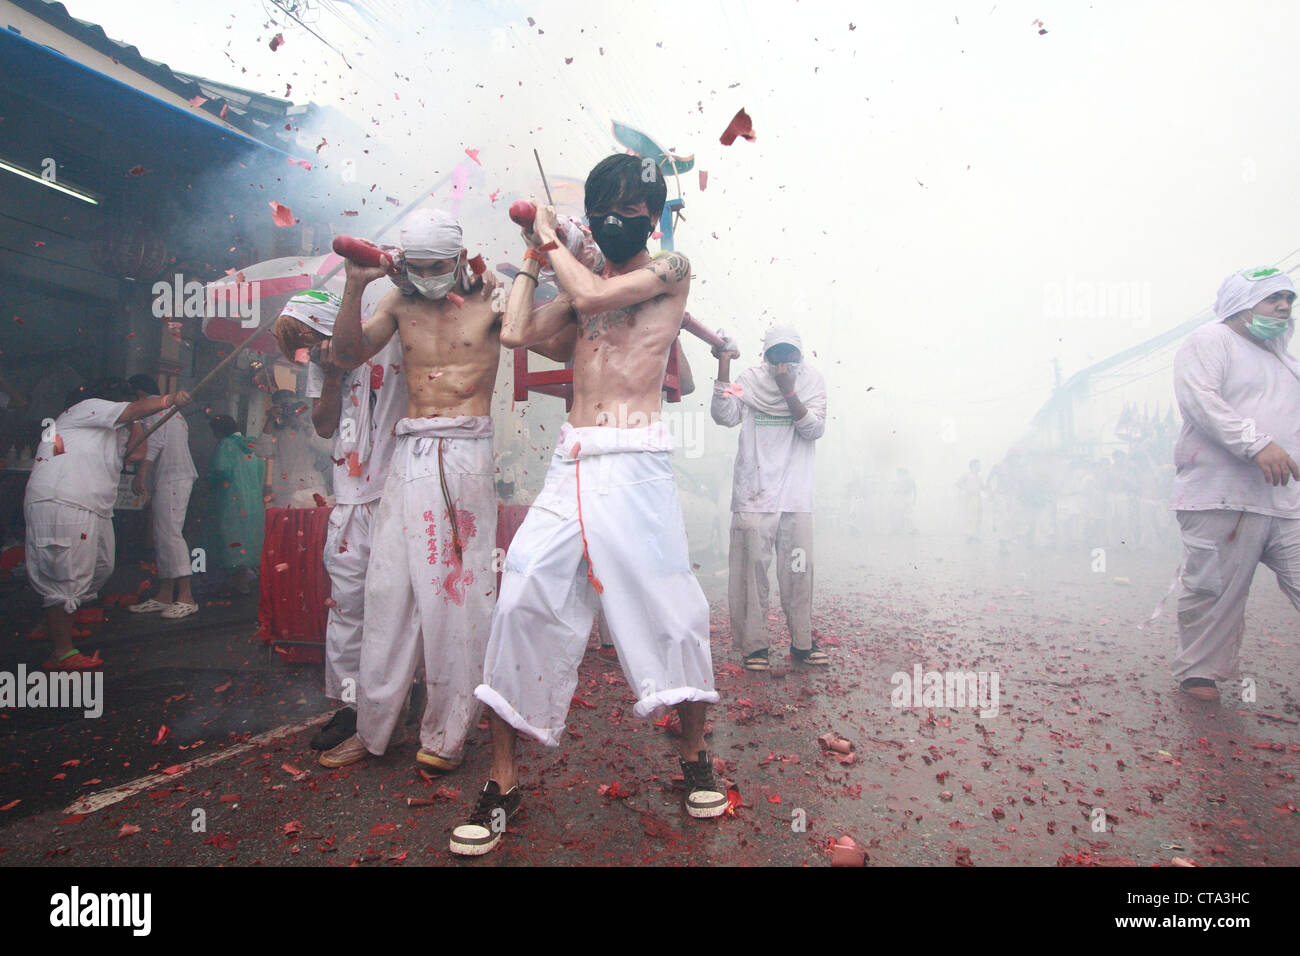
(780, 406)
(1236, 486)
(68, 506)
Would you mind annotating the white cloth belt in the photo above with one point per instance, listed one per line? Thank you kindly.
(592, 440)
(425, 430)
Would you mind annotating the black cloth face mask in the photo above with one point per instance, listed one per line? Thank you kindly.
(618, 238)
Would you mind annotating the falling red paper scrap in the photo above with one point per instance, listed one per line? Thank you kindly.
(740, 125)
(281, 214)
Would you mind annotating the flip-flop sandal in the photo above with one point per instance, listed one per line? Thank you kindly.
(813, 657)
(756, 661)
(179, 610)
(150, 606)
(74, 660)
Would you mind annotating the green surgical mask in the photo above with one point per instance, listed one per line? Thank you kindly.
(1266, 327)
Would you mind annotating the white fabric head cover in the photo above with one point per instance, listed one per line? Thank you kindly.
(431, 234)
(782, 335)
(1248, 288)
(315, 308)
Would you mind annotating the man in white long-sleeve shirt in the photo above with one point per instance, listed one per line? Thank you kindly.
(780, 406)
(1237, 487)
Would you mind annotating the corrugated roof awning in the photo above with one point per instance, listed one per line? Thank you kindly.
(102, 102)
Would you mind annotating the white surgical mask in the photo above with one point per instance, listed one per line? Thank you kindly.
(434, 287)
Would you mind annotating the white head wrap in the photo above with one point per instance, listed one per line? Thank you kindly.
(431, 234)
(1248, 288)
(782, 335)
(315, 308)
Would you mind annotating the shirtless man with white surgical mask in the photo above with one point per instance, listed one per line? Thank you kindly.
(430, 581)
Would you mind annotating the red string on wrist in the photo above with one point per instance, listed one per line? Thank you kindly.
(536, 256)
(549, 246)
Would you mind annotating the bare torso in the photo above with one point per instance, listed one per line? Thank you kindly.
(450, 353)
(620, 357)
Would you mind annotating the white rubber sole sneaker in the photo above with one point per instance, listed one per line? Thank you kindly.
(704, 804)
(470, 839)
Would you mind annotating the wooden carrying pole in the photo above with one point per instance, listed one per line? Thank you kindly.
(203, 381)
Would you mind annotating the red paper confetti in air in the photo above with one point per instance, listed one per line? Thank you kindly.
(282, 566)
(163, 734)
(137, 171)
(10, 805)
(38, 243)
(223, 688)
(282, 215)
(704, 179)
(494, 196)
(225, 108)
(473, 154)
(198, 101)
(305, 164)
(477, 265)
(277, 41)
(740, 125)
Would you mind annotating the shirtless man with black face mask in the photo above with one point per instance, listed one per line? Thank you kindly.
(606, 531)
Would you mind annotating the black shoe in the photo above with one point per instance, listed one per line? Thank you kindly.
(703, 798)
(340, 727)
(487, 824)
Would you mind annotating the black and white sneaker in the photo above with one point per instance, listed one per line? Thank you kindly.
(339, 728)
(703, 798)
(487, 824)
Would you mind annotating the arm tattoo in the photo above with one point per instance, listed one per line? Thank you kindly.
(673, 266)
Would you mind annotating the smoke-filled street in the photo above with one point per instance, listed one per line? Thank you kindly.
(770, 435)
